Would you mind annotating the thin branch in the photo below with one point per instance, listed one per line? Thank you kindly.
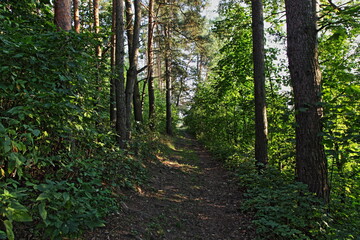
(142, 69)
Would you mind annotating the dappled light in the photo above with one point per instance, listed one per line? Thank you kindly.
(179, 119)
(189, 197)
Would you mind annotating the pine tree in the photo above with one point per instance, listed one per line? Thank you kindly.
(311, 164)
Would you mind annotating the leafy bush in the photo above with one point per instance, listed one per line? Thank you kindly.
(58, 153)
(11, 210)
(283, 209)
(65, 207)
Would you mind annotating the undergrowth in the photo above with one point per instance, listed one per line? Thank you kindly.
(60, 166)
(283, 209)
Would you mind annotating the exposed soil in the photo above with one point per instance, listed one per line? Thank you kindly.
(190, 196)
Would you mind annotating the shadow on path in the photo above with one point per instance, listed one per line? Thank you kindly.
(190, 196)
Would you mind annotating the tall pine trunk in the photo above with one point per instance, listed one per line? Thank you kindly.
(311, 164)
(150, 60)
(261, 126)
(62, 18)
(76, 16)
(133, 33)
(120, 78)
(97, 24)
(138, 114)
(113, 68)
(169, 130)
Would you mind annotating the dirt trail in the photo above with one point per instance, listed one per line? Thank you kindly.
(190, 196)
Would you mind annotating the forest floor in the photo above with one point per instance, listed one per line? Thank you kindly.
(189, 196)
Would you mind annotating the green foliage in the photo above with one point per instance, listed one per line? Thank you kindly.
(283, 209)
(11, 210)
(340, 51)
(65, 207)
(59, 162)
(222, 117)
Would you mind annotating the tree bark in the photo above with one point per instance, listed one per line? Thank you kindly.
(169, 130)
(150, 60)
(137, 104)
(90, 8)
(97, 24)
(133, 32)
(76, 16)
(62, 19)
(311, 163)
(113, 68)
(261, 128)
(120, 80)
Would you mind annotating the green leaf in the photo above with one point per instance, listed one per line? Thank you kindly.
(2, 129)
(36, 132)
(18, 212)
(16, 206)
(14, 162)
(66, 196)
(21, 216)
(43, 196)
(42, 211)
(44, 187)
(16, 110)
(3, 235)
(19, 55)
(6, 144)
(9, 229)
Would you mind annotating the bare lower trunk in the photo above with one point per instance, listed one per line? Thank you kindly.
(168, 97)
(169, 130)
(137, 104)
(97, 24)
(150, 57)
(261, 129)
(76, 16)
(133, 33)
(311, 164)
(62, 19)
(120, 79)
(112, 80)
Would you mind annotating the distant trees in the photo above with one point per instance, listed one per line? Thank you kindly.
(165, 26)
(130, 96)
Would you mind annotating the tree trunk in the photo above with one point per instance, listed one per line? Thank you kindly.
(112, 80)
(311, 164)
(150, 57)
(133, 32)
(120, 80)
(97, 24)
(137, 104)
(76, 16)
(261, 128)
(168, 81)
(62, 17)
(90, 9)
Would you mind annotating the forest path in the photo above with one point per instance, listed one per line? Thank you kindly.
(190, 196)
